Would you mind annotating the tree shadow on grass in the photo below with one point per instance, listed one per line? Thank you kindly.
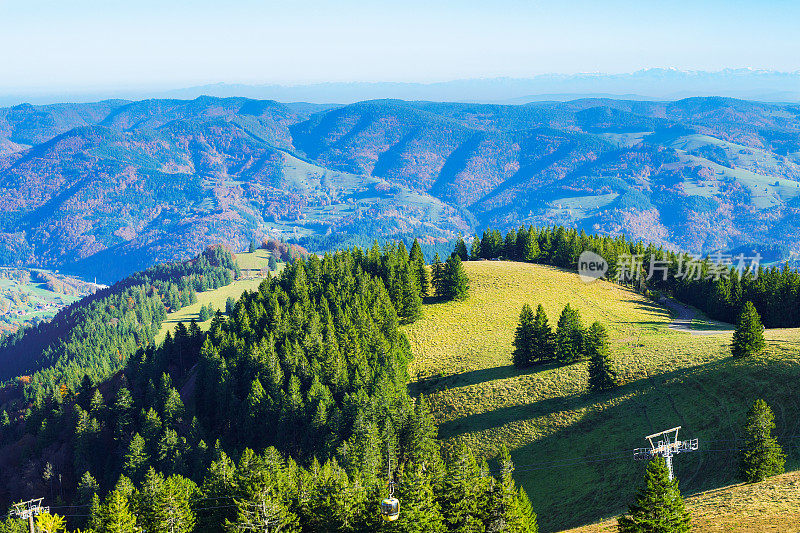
(584, 470)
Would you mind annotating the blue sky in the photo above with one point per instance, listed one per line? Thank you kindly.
(58, 44)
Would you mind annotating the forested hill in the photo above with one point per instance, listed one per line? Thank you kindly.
(95, 336)
(158, 180)
(292, 410)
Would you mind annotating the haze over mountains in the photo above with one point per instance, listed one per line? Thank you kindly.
(110, 187)
(653, 84)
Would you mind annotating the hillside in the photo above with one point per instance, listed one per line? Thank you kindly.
(763, 507)
(158, 180)
(573, 449)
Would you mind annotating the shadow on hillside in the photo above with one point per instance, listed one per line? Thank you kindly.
(505, 415)
(472, 377)
(585, 471)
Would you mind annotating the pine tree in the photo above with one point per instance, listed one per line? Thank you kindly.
(659, 506)
(437, 276)
(136, 459)
(272, 263)
(418, 260)
(749, 335)
(761, 456)
(461, 249)
(507, 512)
(420, 511)
(569, 336)
(252, 247)
(475, 251)
(456, 283)
(524, 338)
(204, 314)
(602, 376)
(114, 516)
(543, 347)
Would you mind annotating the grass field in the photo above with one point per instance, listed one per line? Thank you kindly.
(250, 265)
(771, 506)
(573, 449)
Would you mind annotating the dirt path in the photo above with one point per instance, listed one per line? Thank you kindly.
(684, 316)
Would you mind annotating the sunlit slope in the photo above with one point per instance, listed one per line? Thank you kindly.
(573, 448)
(251, 265)
(770, 506)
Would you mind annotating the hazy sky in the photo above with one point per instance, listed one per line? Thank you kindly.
(64, 44)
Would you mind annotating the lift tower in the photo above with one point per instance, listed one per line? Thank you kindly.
(665, 444)
(28, 510)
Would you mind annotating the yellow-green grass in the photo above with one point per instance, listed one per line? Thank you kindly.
(770, 506)
(573, 449)
(250, 265)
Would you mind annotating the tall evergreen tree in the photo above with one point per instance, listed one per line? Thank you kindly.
(602, 376)
(749, 335)
(569, 336)
(456, 283)
(659, 506)
(418, 260)
(761, 456)
(461, 249)
(437, 276)
(524, 338)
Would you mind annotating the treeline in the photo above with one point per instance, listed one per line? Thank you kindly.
(97, 334)
(535, 343)
(719, 292)
(311, 369)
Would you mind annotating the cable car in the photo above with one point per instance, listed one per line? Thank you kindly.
(390, 507)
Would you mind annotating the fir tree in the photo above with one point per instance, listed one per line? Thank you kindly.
(272, 263)
(252, 247)
(136, 459)
(461, 249)
(602, 376)
(421, 272)
(456, 283)
(437, 275)
(749, 335)
(507, 512)
(475, 252)
(204, 314)
(659, 506)
(569, 336)
(420, 511)
(524, 339)
(761, 456)
(114, 516)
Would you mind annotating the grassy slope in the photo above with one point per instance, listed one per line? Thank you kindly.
(250, 265)
(573, 449)
(771, 506)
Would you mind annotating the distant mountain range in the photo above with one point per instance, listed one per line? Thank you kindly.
(648, 84)
(107, 188)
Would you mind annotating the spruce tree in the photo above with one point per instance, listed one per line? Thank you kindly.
(461, 249)
(659, 506)
(204, 314)
(761, 456)
(524, 338)
(456, 283)
(543, 348)
(272, 263)
(569, 336)
(437, 276)
(602, 376)
(749, 335)
(475, 251)
(420, 512)
(418, 261)
(252, 247)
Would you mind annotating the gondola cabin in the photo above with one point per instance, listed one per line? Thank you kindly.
(390, 509)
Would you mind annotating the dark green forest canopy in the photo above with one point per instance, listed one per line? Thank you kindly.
(719, 292)
(96, 335)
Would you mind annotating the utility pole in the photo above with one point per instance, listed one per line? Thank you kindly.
(28, 510)
(665, 444)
